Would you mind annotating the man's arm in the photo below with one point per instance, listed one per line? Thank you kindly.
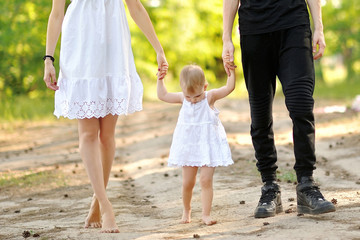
(318, 38)
(230, 8)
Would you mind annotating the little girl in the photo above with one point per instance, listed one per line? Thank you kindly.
(199, 139)
(97, 82)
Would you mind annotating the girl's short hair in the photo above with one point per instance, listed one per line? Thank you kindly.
(191, 78)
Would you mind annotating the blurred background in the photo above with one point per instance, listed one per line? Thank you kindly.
(190, 32)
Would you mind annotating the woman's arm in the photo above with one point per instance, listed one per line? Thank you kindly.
(142, 19)
(53, 32)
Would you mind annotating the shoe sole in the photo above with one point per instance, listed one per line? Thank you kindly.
(279, 209)
(306, 210)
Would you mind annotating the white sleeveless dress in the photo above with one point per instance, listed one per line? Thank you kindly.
(199, 138)
(97, 70)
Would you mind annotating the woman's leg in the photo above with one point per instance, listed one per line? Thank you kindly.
(206, 183)
(90, 154)
(189, 179)
(107, 153)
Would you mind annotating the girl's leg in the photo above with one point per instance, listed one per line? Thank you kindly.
(206, 183)
(107, 153)
(90, 154)
(189, 179)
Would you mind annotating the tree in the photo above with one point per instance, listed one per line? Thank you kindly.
(342, 32)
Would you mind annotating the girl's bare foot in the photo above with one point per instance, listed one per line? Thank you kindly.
(208, 221)
(93, 220)
(109, 224)
(186, 218)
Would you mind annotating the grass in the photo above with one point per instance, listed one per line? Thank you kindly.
(25, 108)
(28, 179)
(287, 176)
(340, 91)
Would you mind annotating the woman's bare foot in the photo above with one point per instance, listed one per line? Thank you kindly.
(93, 220)
(109, 223)
(186, 218)
(208, 221)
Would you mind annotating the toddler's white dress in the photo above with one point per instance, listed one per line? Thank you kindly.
(199, 138)
(97, 70)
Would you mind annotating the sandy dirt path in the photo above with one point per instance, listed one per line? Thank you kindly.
(146, 194)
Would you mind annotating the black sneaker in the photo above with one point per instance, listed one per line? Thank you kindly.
(309, 198)
(270, 201)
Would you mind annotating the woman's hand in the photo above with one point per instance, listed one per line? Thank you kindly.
(162, 65)
(50, 75)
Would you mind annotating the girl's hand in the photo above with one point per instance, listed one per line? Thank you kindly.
(162, 66)
(229, 63)
(50, 76)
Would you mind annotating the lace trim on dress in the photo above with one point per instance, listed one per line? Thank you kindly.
(81, 110)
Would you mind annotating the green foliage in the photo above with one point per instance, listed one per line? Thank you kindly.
(342, 33)
(22, 37)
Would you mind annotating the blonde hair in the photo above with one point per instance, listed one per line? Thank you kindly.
(191, 78)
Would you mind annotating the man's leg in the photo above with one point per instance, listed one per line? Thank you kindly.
(259, 59)
(259, 68)
(296, 73)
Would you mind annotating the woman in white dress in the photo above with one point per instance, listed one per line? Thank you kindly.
(97, 82)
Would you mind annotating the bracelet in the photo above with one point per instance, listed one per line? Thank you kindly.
(48, 56)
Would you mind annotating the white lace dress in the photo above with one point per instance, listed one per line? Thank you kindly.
(199, 138)
(97, 70)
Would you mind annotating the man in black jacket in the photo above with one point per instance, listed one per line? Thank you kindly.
(276, 40)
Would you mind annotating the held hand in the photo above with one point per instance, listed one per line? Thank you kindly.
(162, 66)
(228, 56)
(50, 76)
(318, 40)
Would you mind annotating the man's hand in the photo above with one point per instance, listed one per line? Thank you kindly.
(228, 56)
(318, 40)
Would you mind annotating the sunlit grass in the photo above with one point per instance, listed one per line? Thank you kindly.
(346, 90)
(287, 176)
(24, 108)
(28, 179)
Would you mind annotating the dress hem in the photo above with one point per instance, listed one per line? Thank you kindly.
(205, 165)
(100, 116)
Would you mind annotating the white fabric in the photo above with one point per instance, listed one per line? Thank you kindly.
(97, 70)
(199, 138)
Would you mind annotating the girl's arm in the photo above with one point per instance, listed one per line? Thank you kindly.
(318, 38)
(165, 96)
(53, 32)
(216, 94)
(142, 19)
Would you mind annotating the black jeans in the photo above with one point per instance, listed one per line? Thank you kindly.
(287, 54)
